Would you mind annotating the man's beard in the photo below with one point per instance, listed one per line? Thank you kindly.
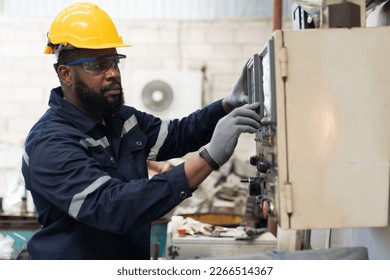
(96, 101)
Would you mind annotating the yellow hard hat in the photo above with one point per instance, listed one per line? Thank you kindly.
(83, 25)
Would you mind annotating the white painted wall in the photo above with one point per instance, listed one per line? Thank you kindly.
(170, 45)
(27, 75)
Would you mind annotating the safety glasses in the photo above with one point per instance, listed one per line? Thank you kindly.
(99, 65)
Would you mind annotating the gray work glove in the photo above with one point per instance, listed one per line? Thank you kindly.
(239, 94)
(227, 131)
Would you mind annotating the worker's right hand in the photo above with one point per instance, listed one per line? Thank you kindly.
(224, 140)
(239, 93)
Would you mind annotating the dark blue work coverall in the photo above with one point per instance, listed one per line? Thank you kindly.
(89, 181)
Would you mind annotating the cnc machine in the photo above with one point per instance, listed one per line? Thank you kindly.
(323, 151)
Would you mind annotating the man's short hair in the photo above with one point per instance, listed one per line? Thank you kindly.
(64, 57)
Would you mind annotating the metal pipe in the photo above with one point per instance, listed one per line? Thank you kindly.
(277, 15)
(155, 250)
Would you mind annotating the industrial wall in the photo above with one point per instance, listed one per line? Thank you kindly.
(218, 46)
(221, 47)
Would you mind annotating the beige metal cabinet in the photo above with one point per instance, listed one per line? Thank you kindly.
(332, 132)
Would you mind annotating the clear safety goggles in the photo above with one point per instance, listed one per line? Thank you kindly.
(101, 64)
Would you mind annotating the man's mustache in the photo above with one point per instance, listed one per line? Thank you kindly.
(113, 86)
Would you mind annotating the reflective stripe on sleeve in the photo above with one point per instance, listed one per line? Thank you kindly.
(90, 142)
(162, 135)
(78, 199)
(26, 158)
(129, 124)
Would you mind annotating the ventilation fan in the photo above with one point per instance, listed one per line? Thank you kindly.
(167, 95)
(157, 95)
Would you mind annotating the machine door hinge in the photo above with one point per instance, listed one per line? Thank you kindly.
(289, 199)
(283, 62)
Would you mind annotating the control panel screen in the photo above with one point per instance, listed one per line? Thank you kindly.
(261, 82)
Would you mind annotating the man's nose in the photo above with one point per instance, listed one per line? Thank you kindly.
(113, 70)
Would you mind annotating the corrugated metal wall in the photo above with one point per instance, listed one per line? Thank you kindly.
(153, 9)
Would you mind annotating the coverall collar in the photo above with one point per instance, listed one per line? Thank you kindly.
(70, 112)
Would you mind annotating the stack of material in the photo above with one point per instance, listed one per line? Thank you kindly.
(11, 181)
(223, 193)
(190, 239)
(6, 247)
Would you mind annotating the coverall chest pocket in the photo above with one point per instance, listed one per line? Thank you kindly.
(134, 154)
(133, 140)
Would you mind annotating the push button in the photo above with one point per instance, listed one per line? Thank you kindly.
(138, 143)
(183, 195)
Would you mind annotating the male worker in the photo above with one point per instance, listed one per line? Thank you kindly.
(85, 160)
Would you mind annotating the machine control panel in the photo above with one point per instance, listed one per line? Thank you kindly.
(311, 172)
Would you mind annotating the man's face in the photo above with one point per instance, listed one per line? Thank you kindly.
(107, 100)
(97, 83)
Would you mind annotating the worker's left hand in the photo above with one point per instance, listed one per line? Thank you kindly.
(239, 94)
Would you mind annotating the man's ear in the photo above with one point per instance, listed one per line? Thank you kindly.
(65, 74)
